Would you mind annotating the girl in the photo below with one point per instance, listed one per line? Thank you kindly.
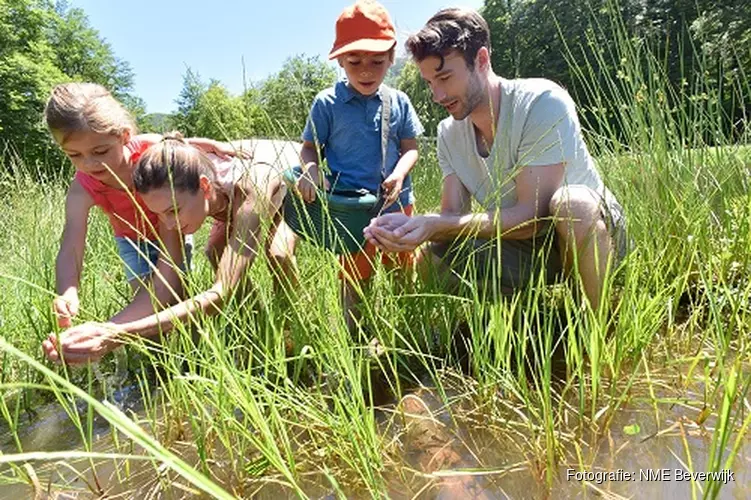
(183, 187)
(98, 135)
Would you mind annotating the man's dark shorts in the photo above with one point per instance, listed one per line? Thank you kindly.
(519, 261)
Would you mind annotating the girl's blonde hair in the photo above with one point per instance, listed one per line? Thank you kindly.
(76, 107)
(172, 163)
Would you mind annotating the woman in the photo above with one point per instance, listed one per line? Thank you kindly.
(184, 186)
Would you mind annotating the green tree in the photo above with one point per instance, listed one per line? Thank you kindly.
(27, 73)
(210, 110)
(541, 38)
(258, 120)
(395, 71)
(286, 96)
(82, 54)
(185, 118)
(220, 115)
(724, 37)
(43, 44)
(412, 84)
(159, 123)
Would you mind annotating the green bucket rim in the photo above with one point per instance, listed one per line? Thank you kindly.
(334, 220)
(340, 195)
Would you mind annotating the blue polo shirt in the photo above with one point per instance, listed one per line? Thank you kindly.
(348, 125)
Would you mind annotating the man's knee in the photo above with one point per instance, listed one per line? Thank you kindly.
(576, 211)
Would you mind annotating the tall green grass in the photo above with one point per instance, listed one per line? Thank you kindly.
(548, 383)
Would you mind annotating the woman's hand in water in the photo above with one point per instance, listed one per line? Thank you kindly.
(82, 343)
(65, 307)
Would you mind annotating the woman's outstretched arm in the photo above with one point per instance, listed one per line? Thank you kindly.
(262, 192)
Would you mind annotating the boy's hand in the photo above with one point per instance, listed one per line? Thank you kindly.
(65, 307)
(308, 182)
(392, 188)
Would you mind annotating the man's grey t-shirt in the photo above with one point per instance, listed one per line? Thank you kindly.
(537, 125)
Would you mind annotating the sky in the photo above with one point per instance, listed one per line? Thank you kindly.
(234, 41)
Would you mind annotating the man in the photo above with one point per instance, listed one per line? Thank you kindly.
(516, 147)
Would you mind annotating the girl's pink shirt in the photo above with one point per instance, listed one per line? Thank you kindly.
(124, 215)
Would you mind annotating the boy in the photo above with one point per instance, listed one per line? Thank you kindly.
(346, 120)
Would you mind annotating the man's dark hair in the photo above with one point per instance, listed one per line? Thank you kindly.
(451, 29)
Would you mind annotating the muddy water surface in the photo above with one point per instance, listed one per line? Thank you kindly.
(434, 450)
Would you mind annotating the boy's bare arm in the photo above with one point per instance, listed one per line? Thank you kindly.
(408, 157)
(392, 185)
(311, 174)
(309, 154)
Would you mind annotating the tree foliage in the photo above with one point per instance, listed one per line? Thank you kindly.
(412, 84)
(691, 39)
(699, 44)
(210, 110)
(286, 97)
(42, 44)
(277, 107)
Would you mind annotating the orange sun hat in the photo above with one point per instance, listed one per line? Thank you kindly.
(364, 26)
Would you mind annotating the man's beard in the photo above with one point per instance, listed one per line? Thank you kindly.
(472, 98)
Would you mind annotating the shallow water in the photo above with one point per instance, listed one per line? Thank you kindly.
(649, 464)
(51, 429)
(436, 452)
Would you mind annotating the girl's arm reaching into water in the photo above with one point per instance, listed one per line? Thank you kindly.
(263, 194)
(70, 256)
(167, 285)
